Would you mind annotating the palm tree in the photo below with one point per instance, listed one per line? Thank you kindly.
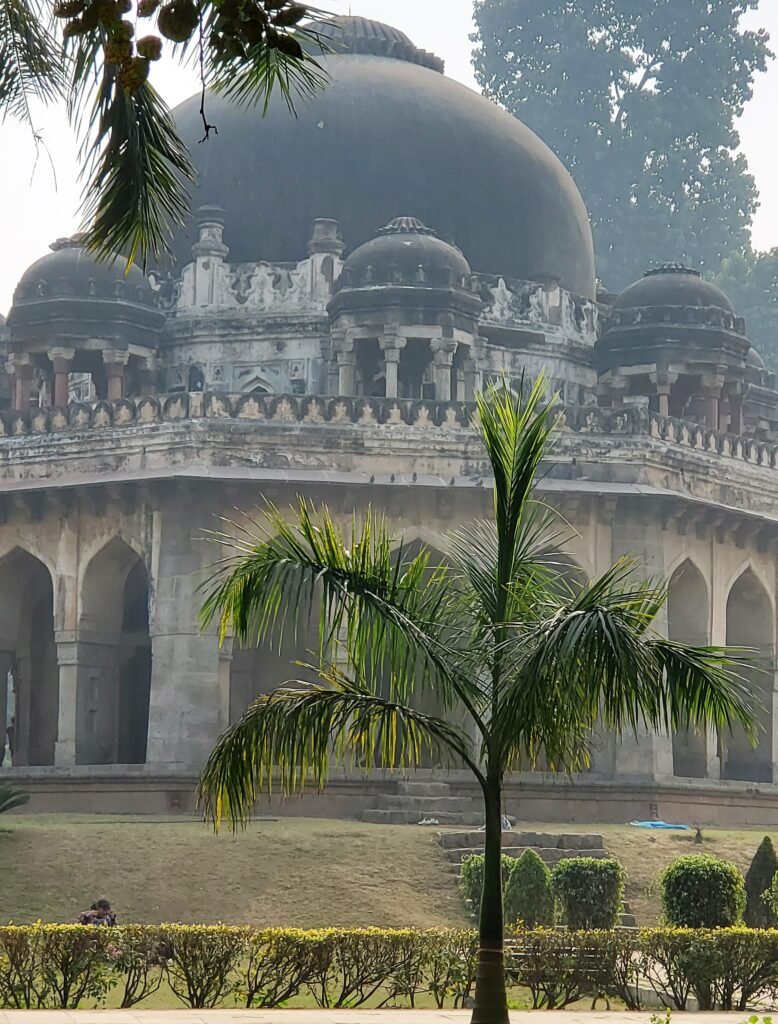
(11, 798)
(532, 663)
(137, 170)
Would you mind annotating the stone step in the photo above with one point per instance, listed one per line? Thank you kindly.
(429, 805)
(423, 789)
(537, 840)
(549, 855)
(406, 817)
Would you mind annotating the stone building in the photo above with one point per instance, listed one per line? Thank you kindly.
(350, 279)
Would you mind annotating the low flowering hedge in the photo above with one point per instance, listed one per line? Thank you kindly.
(71, 966)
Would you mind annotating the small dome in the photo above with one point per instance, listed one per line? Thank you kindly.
(69, 271)
(754, 360)
(672, 284)
(349, 34)
(405, 251)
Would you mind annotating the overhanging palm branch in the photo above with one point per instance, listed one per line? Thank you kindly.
(31, 67)
(381, 605)
(296, 731)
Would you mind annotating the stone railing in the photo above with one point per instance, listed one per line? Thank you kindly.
(365, 413)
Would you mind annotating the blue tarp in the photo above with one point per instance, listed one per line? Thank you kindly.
(660, 824)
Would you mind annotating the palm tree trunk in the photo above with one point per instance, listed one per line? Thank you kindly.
(491, 1000)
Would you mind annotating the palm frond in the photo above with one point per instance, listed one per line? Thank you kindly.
(137, 192)
(11, 798)
(386, 607)
(31, 65)
(598, 659)
(251, 81)
(297, 731)
(516, 431)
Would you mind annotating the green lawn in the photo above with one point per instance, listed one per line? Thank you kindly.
(300, 872)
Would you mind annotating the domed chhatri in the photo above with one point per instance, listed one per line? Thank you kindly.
(69, 271)
(673, 284)
(406, 251)
(389, 133)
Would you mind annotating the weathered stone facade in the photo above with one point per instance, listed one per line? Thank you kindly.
(347, 377)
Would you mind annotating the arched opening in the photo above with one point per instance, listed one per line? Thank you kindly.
(750, 624)
(261, 668)
(29, 658)
(687, 623)
(195, 378)
(114, 683)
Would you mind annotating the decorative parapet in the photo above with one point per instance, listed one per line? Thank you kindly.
(513, 303)
(258, 288)
(360, 413)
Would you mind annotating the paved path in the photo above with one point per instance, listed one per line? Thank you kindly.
(342, 1017)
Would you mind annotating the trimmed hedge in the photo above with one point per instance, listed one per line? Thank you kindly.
(67, 966)
(588, 892)
(701, 891)
(759, 879)
(526, 888)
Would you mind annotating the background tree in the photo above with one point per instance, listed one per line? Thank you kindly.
(532, 665)
(639, 99)
(759, 877)
(751, 280)
(135, 167)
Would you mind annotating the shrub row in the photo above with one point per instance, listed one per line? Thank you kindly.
(582, 892)
(71, 966)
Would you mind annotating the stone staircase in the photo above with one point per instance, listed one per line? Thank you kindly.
(430, 802)
(550, 847)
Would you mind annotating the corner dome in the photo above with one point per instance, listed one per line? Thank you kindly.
(69, 271)
(673, 284)
(388, 133)
(406, 251)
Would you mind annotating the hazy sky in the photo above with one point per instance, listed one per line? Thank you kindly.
(40, 203)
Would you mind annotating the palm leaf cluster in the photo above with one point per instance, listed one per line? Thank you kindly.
(533, 662)
(137, 172)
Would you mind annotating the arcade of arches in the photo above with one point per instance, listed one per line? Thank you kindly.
(97, 671)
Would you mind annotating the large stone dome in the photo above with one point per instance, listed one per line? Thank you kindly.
(388, 136)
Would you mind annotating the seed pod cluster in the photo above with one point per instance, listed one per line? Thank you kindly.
(235, 28)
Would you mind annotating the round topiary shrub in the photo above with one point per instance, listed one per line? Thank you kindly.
(588, 892)
(528, 896)
(759, 879)
(471, 880)
(701, 891)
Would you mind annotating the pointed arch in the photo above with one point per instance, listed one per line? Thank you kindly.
(688, 622)
(751, 623)
(114, 683)
(29, 689)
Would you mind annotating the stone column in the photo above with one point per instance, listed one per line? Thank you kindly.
(115, 363)
(147, 376)
(392, 343)
(62, 363)
(186, 703)
(442, 361)
(472, 379)
(347, 362)
(209, 252)
(6, 664)
(637, 532)
(67, 660)
(23, 373)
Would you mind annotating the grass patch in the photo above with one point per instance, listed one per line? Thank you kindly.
(293, 872)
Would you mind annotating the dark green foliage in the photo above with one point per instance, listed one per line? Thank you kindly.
(701, 891)
(526, 888)
(529, 898)
(11, 798)
(750, 279)
(640, 101)
(588, 892)
(759, 878)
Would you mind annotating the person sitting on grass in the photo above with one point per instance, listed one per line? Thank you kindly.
(99, 913)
